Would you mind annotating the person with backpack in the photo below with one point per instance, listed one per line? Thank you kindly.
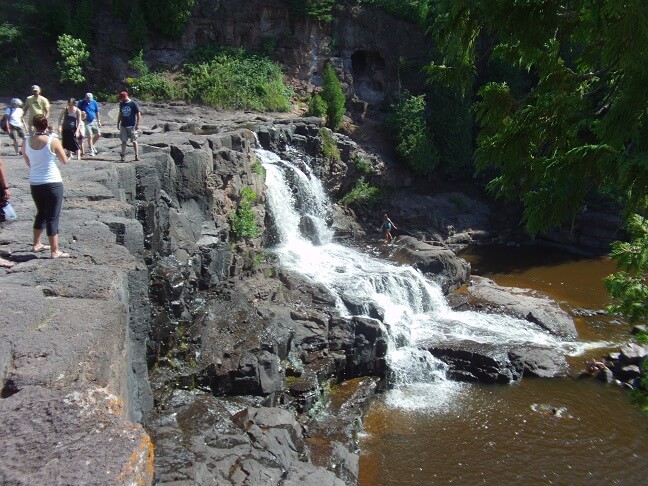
(12, 123)
(386, 228)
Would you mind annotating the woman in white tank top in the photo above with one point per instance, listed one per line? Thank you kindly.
(41, 152)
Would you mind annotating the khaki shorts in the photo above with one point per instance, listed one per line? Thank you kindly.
(92, 128)
(128, 133)
(17, 131)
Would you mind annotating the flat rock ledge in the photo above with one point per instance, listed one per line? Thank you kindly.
(73, 377)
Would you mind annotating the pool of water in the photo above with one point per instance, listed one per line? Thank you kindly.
(560, 431)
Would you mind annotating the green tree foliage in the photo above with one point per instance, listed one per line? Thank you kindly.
(234, 79)
(316, 106)
(581, 126)
(629, 287)
(169, 16)
(333, 95)
(415, 11)
(317, 9)
(413, 140)
(74, 57)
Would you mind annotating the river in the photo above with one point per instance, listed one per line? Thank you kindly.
(559, 431)
(429, 430)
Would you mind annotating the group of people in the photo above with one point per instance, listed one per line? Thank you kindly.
(43, 151)
(79, 123)
(76, 123)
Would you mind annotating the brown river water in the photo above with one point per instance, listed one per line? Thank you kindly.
(560, 431)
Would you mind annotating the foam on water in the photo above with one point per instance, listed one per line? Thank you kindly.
(415, 310)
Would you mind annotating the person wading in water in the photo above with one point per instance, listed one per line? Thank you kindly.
(387, 227)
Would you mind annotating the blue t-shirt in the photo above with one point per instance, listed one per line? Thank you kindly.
(91, 109)
(129, 110)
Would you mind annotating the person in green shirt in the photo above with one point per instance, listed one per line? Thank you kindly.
(36, 104)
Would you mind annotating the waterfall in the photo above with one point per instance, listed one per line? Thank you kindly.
(413, 309)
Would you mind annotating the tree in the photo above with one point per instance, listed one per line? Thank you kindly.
(581, 127)
(169, 16)
(413, 140)
(629, 287)
(333, 95)
(74, 57)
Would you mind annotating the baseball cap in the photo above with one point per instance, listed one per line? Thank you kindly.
(123, 95)
(36, 88)
(89, 96)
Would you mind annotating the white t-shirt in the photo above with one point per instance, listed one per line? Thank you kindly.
(15, 116)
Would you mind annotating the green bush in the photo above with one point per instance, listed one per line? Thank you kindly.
(413, 140)
(362, 193)
(243, 220)
(330, 149)
(362, 164)
(333, 95)
(316, 106)
(237, 80)
(258, 169)
(139, 64)
(74, 57)
(154, 87)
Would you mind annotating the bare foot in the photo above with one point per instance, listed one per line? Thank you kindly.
(40, 247)
(6, 263)
(60, 254)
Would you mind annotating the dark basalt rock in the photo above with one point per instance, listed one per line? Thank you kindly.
(488, 363)
(440, 264)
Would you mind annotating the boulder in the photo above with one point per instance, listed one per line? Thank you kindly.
(440, 264)
(525, 304)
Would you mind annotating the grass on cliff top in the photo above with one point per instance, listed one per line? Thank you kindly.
(231, 79)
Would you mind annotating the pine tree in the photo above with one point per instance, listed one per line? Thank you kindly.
(333, 95)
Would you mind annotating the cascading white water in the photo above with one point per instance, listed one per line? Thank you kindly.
(415, 310)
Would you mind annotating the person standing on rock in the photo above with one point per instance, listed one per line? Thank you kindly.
(128, 122)
(15, 128)
(36, 104)
(41, 152)
(387, 227)
(92, 122)
(70, 126)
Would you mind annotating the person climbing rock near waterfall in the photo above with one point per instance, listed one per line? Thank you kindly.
(387, 227)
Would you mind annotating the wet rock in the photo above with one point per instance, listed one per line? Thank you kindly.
(525, 304)
(639, 328)
(471, 361)
(441, 264)
(606, 375)
(540, 362)
(633, 354)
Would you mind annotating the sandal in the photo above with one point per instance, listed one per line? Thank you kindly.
(122, 157)
(61, 254)
(38, 249)
(136, 158)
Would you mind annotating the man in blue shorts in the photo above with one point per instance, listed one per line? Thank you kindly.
(128, 123)
(92, 121)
